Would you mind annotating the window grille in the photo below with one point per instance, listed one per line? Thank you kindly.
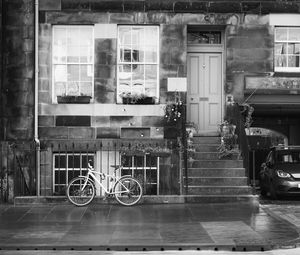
(68, 166)
(144, 168)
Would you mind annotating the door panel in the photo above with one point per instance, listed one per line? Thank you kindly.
(204, 99)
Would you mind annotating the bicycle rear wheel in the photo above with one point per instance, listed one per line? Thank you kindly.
(78, 194)
(128, 191)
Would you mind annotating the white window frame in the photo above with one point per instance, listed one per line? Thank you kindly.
(119, 99)
(286, 68)
(145, 168)
(92, 62)
(67, 169)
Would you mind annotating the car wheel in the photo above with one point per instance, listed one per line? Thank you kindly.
(263, 191)
(273, 194)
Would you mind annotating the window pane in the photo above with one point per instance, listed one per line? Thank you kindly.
(139, 161)
(86, 73)
(279, 48)
(151, 189)
(150, 54)
(73, 88)
(72, 174)
(281, 34)
(151, 161)
(86, 88)
(293, 61)
(151, 36)
(60, 34)
(139, 175)
(73, 36)
(60, 88)
(137, 53)
(73, 54)
(126, 161)
(86, 36)
(151, 72)
(73, 161)
(124, 35)
(124, 77)
(86, 55)
(59, 53)
(294, 34)
(280, 61)
(60, 73)
(73, 72)
(151, 88)
(60, 161)
(151, 175)
(125, 54)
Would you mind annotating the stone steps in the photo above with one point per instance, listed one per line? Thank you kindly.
(217, 181)
(211, 179)
(219, 190)
(216, 164)
(216, 172)
(211, 156)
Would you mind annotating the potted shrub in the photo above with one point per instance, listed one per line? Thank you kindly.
(129, 98)
(68, 99)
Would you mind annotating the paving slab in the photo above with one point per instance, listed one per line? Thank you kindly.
(144, 227)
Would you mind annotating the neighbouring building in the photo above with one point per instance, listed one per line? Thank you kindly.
(118, 79)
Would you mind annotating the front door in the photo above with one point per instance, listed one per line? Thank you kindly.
(204, 97)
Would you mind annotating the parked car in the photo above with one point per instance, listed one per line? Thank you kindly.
(280, 173)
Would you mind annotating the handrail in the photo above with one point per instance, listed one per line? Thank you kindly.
(235, 117)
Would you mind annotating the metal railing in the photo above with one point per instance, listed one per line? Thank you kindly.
(234, 115)
(17, 170)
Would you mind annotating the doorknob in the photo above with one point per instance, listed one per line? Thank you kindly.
(192, 98)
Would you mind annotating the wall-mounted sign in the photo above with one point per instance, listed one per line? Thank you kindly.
(177, 84)
(274, 85)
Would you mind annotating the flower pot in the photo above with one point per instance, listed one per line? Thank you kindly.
(144, 100)
(73, 99)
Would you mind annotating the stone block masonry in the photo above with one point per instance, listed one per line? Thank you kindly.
(18, 70)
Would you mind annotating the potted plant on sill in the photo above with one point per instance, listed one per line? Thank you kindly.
(129, 98)
(73, 99)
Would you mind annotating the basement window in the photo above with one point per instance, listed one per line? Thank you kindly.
(287, 49)
(67, 166)
(72, 62)
(145, 168)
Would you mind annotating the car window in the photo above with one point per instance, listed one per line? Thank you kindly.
(288, 157)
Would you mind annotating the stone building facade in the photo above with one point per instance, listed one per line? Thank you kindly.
(89, 51)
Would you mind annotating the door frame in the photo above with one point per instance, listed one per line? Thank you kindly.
(213, 48)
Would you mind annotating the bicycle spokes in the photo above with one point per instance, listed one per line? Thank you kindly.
(128, 191)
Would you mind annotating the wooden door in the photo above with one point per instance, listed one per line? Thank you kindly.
(204, 97)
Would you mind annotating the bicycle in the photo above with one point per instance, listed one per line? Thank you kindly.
(81, 190)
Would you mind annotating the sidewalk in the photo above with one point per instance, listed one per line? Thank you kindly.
(158, 227)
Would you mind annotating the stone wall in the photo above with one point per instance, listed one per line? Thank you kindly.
(18, 70)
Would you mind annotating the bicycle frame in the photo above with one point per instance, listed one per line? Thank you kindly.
(91, 175)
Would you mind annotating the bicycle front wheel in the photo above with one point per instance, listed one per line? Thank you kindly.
(128, 191)
(80, 194)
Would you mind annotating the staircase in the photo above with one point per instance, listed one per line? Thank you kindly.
(213, 180)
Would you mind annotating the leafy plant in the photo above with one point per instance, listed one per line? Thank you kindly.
(247, 111)
(228, 145)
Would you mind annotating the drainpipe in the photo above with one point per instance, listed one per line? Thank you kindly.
(36, 101)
